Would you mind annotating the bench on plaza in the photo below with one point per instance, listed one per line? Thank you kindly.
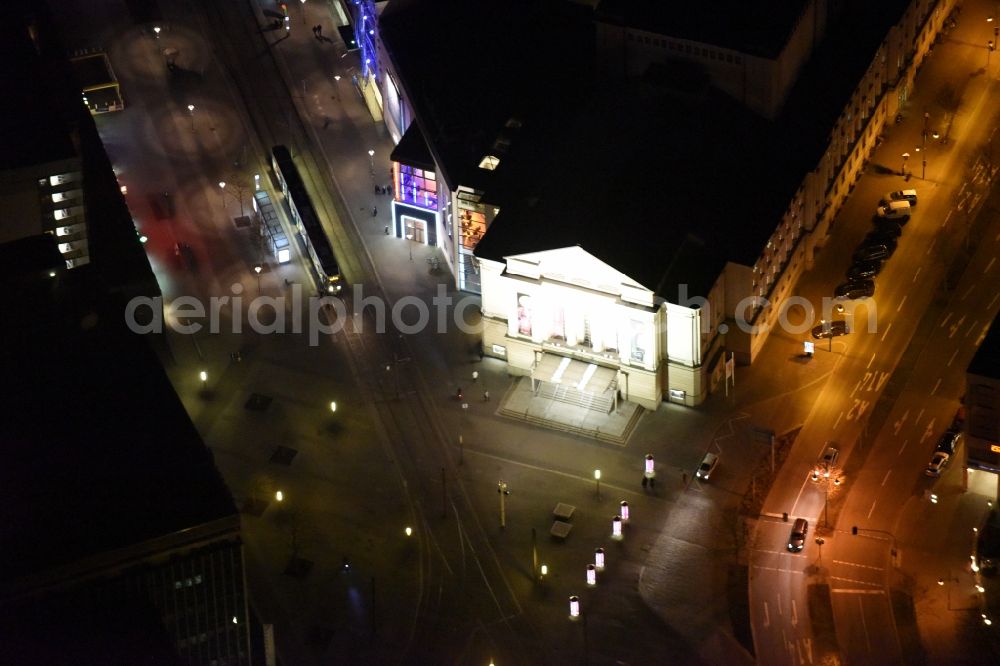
(560, 529)
(563, 511)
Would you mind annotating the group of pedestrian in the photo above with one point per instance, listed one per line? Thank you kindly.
(318, 31)
(383, 189)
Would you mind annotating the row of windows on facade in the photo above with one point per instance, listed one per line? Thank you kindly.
(686, 49)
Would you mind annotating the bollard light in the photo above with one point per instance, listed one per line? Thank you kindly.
(408, 531)
(543, 570)
(475, 375)
(203, 376)
(624, 511)
(616, 528)
(934, 498)
(574, 607)
(650, 471)
(591, 575)
(333, 406)
(599, 559)
(980, 589)
(256, 181)
(940, 581)
(280, 496)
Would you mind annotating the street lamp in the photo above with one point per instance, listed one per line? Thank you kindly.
(597, 478)
(574, 607)
(203, 376)
(503, 492)
(591, 575)
(333, 407)
(191, 113)
(623, 511)
(371, 159)
(222, 189)
(409, 237)
(257, 269)
(279, 496)
(256, 182)
(616, 528)
(906, 156)
(303, 12)
(599, 559)
(156, 29)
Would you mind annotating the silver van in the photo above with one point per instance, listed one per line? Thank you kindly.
(894, 210)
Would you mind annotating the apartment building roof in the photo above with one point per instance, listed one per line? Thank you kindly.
(986, 362)
(757, 27)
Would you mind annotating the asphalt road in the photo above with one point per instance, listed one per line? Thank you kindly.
(860, 570)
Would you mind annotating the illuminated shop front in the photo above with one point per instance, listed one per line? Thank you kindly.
(415, 200)
(366, 39)
(565, 318)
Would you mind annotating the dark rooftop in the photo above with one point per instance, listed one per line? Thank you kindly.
(758, 27)
(98, 451)
(986, 362)
(412, 149)
(31, 132)
(663, 187)
(92, 70)
(503, 59)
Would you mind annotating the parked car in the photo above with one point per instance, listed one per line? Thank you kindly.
(937, 464)
(888, 227)
(870, 252)
(854, 290)
(708, 465)
(909, 196)
(864, 269)
(797, 539)
(949, 440)
(879, 237)
(830, 329)
(894, 210)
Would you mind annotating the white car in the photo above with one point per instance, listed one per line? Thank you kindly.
(708, 465)
(937, 463)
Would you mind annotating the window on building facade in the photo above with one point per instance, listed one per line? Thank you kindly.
(418, 187)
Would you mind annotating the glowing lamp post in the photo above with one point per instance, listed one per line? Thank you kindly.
(599, 559)
(624, 511)
(574, 607)
(256, 182)
(279, 496)
(650, 472)
(203, 376)
(591, 575)
(616, 528)
(543, 571)
(597, 479)
(333, 406)
(371, 160)
(191, 113)
(408, 531)
(156, 29)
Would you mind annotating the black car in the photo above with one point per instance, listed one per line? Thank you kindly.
(864, 269)
(948, 441)
(888, 227)
(871, 252)
(830, 329)
(855, 289)
(876, 237)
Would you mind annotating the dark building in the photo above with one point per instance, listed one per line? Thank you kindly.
(982, 404)
(121, 542)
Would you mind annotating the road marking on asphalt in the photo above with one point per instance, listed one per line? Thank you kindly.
(901, 303)
(982, 335)
(936, 385)
(779, 605)
(930, 247)
(953, 355)
(971, 328)
(767, 616)
(773, 515)
(919, 416)
(795, 614)
(860, 566)
(930, 426)
(837, 422)
(919, 268)
(945, 320)
(902, 447)
(864, 625)
(858, 409)
(899, 424)
(872, 509)
(872, 360)
(886, 331)
(855, 581)
(795, 571)
(886, 477)
(994, 300)
(954, 327)
(962, 189)
(990, 265)
(969, 291)
(851, 590)
(809, 649)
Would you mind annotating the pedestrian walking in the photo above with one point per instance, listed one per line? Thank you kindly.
(314, 32)
(378, 189)
(387, 230)
(374, 211)
(319, 31)
(684, 478)
(486, 396)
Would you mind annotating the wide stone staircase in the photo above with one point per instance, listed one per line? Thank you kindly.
(562, 393)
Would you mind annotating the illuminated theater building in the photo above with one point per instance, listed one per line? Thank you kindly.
(648, 227)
